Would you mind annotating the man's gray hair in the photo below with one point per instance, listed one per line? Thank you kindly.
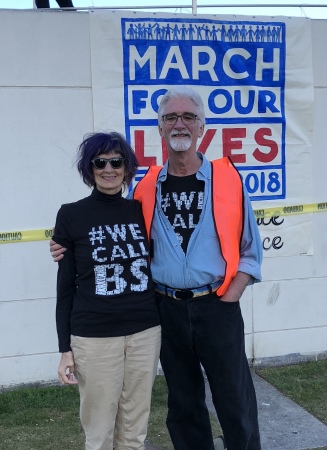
(183, 92)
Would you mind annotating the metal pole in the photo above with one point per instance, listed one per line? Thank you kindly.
(266, 5)
(194, 6)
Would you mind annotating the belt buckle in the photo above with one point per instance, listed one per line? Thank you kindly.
(183, 294)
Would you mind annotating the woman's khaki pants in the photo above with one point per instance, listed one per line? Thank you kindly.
(115, 377)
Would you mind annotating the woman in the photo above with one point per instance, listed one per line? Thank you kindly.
(107, 320)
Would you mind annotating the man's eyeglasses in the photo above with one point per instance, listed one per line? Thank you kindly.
(100, 163)
(187, 118)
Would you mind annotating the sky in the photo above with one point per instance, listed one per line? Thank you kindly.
(185, 6)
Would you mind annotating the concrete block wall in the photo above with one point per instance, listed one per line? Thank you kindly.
(46, 108)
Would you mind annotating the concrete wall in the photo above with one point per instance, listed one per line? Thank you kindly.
(46, 108)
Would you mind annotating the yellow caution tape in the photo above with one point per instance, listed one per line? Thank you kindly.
(12, 237)
(277, 211)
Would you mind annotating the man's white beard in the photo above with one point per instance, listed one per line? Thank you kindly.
(180, 144)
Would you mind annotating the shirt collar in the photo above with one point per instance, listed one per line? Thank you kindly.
(204, 171)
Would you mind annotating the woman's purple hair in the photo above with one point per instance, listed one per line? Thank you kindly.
(95, 144)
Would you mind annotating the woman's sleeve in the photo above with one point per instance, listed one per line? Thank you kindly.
(66, 282)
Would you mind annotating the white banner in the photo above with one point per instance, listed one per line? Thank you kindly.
(255, 77)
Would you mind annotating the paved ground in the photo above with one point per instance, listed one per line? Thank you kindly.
(283, 424)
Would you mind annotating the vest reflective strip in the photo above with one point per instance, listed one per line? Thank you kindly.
(227, 199)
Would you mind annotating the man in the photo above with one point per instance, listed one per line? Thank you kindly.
(206, 249)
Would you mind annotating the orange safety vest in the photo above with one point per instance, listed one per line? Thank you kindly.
(228, 205)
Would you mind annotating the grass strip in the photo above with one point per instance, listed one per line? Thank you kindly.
(47, 418)
(305, 384)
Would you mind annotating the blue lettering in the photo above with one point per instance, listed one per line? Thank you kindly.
(138, 103)
(266, 101)
(227, 97)
(221, 101)
(154, 99)
(238, 104)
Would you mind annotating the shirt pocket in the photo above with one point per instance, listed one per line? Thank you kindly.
(209, 230)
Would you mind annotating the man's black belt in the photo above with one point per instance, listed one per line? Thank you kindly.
(184, 294)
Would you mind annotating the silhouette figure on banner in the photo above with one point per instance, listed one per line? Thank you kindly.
(229, 33)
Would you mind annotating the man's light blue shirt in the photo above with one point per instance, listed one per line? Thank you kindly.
(202, 264)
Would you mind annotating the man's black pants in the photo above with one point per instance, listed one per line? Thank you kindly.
(206, 331)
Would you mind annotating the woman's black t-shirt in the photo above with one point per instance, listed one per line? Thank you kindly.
(104, 286)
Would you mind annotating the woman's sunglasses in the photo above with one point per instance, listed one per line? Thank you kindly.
(100, 163)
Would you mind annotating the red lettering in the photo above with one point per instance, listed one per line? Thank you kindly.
(261, 140)
(144, 161)
(164, 151)
(231, 142)
(206, 140)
